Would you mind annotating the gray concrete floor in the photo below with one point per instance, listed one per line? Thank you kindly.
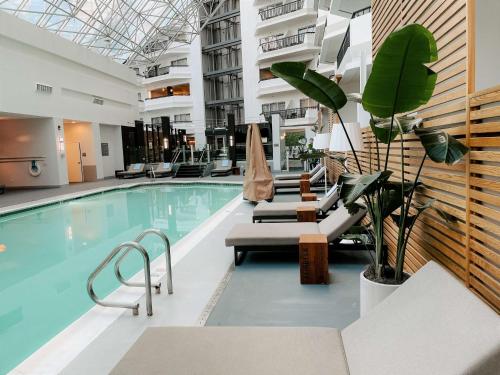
(265, 291)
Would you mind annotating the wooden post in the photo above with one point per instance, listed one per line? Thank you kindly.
(313, 258)
(309, 197)
(305, 186)
(306, 214)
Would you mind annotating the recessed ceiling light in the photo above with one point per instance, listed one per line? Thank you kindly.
(2, 247)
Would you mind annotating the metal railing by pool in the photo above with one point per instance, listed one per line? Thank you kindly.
(280, 10)
(287, 41)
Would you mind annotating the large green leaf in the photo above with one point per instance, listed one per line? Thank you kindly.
(312, 84)
(354, 186)
(399, 81)
(405, 123)
(440, 146)
(382, 132)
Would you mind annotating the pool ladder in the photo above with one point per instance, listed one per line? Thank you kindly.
(122, 251)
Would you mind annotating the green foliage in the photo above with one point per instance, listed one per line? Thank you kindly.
(441, 147)
(399, 81)
(313, 84)
(294, 139)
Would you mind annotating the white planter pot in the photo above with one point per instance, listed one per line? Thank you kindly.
(372, 293)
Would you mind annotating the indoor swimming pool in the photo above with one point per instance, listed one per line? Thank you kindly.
(50, 251)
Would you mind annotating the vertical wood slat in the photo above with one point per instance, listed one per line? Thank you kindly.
(470, 190)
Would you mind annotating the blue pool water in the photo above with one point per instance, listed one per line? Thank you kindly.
(50, 252)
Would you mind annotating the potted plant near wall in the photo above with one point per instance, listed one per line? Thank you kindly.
(399, 83)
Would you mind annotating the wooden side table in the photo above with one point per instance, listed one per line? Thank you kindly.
(313, 259)
(305, 186)
(309, 197)
(306, 214)
(236, 171)
(305, 176)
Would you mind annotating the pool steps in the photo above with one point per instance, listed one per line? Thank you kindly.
(122, 251)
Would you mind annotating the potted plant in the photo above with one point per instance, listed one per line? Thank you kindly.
(399, 83)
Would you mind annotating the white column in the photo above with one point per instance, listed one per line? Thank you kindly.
(57, 135)
(96, 140)
(363, 116)
(276, 122)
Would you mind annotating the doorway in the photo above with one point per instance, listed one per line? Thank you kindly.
(74, 161)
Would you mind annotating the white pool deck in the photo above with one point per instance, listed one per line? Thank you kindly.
(94, 343)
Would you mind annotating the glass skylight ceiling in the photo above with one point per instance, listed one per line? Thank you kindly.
(129, 31)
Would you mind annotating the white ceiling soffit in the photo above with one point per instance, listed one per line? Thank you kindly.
(345, 8)
(132, 32)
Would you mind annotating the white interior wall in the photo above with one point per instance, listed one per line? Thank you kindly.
(31, 55)
(112, 136)
(487, 50)
(30, 138)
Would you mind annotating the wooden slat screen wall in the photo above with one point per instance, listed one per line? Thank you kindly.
(469, 247)
(484, 194)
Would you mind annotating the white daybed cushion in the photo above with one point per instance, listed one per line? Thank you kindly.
(235, 351)
(431, 325)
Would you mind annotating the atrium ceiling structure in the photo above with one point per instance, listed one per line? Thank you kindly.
(132, 32)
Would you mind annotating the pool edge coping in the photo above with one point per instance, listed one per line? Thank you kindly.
(62, 198)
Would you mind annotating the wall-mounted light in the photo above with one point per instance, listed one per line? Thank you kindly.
(61, 145)
(60, 140)
(165, 143)
(231, 141)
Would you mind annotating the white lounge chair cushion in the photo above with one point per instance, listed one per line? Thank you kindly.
(137, 167)
(235, 351)
(272, 234)
(296, 183)
(338, 222)
(296, 176)
(331, 197)
(281, 208)
(432, 324)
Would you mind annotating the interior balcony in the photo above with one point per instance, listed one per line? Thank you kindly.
(356, 47)
(332, 41)
(166, 102)
(282, 15)
(302, 116)
(304, 45)
(168, 75)
(273, 86)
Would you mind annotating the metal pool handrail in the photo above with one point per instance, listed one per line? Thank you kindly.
(147, 278)
(168, 259)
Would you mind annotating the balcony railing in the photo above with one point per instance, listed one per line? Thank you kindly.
(344, 46)
(285, 42)
(167, 96)
(291, 113)
(361, 12)
(280, 10)
(164, 70)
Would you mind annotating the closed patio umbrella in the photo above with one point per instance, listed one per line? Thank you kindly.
(258, 183)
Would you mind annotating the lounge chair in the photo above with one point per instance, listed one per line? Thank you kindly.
(222, 168)
(314, 180)
(297, 176)
(432, 324)
(285, 236)
(162, 170)
(133, 171)
(288, 210)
